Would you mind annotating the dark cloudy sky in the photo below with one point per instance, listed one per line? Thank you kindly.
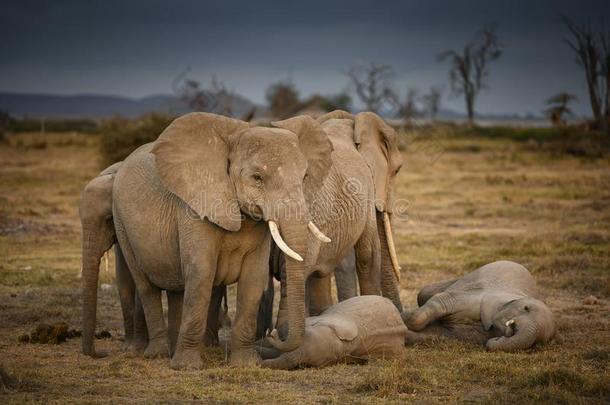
(136, 48)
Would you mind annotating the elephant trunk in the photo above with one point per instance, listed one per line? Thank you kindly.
(92, 251)
(525, 336)
(389, 281)
(295, 235)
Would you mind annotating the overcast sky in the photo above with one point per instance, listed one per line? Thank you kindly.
(136, 48)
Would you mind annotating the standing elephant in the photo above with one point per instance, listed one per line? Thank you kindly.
(353, 207)
(360, 327)
(95, 211)
(495, 304)
(193, 210)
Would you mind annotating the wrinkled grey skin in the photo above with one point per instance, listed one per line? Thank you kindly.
(190, 213)
(358, 328)
(348, 208)
(496, 305)
(345, 277)
(98, 235)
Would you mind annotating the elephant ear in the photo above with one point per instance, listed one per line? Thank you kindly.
(345, 329)
(191, 156)
(377, 142)
(315, 146)
(335, 114)
(491, 303)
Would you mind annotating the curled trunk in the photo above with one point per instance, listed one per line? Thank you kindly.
(524, 337)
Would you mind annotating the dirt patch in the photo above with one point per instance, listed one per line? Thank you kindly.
(16, 226)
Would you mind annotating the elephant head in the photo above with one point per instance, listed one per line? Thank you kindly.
(377, 142)
(222, 168)
(518, 321)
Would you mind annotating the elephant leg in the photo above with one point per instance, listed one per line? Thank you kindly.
(210, 338)
(251, 284)
(127, 294)
(174, 317)
(345, 277)
(150, 297)
(199, 282)
(389, 282)
(368, 260)
(140, 330)
(432, 289)
(320, 296)
(264, 319)
(438, 306)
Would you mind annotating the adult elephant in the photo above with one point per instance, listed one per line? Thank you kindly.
(496, 305)
(193, 210)
(98, 236)
(352, 207)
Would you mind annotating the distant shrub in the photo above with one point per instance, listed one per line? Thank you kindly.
(121, 136)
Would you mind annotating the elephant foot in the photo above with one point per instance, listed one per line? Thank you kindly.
(415, 320)
(244, 358)
(187, 359)
(211, 340)
(156, 349)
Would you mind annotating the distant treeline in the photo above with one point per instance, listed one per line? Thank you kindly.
(10, 124)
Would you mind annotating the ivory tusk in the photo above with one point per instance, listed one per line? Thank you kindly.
(277, 238)
(510, 323)
(106, 261)
(388, 234)
(318, 233)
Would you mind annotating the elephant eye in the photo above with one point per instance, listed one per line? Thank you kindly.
(258, 179)
(526, 308)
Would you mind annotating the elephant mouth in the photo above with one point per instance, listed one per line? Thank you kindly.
(510, 327)
(279, 241)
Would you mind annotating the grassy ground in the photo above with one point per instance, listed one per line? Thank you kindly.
(466, 201)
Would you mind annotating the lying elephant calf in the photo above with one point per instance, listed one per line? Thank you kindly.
(495, 304)
(360, 327)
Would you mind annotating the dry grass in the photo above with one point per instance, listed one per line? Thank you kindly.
(470, 201)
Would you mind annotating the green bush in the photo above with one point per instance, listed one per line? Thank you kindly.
(121, 136)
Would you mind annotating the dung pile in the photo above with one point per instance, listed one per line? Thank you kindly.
(50, 334)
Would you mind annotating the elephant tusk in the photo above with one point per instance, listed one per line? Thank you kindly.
(510, 323)
(318, 233)
(387, 226)
(277, 238)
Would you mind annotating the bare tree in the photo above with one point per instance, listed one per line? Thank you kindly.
(224, 98)
(407, 109)
(592, 50)
(372, 84)
(283, 99)
(558, 108)
(470, 67)
(432, 101)
(192, 93)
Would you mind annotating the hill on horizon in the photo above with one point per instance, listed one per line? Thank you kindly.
(35, 105)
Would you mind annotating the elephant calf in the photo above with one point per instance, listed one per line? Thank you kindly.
(495, 304)
(360, 327)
